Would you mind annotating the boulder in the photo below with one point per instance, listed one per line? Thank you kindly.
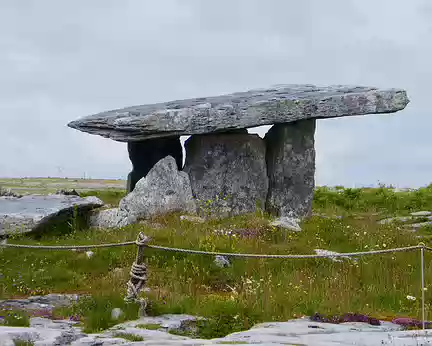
(108, 218)
(145, 154)
(33, 212)
(164, 190)
(287, 222)
(274, 105)
(291, 168)
(227, 172)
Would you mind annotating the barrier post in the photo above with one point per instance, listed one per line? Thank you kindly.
(138, 275)
(422, 248)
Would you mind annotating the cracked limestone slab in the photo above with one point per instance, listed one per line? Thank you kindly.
(274, 105)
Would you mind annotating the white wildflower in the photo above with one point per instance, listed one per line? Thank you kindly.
(411, 298)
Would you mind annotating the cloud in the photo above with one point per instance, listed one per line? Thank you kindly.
(63, 60)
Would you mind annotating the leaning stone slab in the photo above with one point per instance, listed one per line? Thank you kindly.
(164, 190)
(227, 172)
(291, 168)
(33, 212)
(274, 105)
(145, 154)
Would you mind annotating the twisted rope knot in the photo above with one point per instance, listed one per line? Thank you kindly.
(138, 276)
(142, 239)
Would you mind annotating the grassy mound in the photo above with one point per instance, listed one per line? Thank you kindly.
(250, 290)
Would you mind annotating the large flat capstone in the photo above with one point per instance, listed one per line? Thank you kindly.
(30, 213)
(278, 104)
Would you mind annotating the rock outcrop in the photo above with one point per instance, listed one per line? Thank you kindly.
(162, 330)
(228, 173)
(33, 212)
(278, 104)
(291, 168)
(145, 154)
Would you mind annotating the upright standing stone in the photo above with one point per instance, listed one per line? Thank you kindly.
(228, 173)
(145, 154)
(291, 168)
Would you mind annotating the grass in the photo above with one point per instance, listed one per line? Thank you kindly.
(250, 290)
(18, 342)
(128, 336)
(14, 318)
(149, 326)
(110, 196)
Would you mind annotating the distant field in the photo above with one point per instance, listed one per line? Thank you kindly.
(50, 185)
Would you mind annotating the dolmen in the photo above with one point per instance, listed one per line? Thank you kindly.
(230, 171)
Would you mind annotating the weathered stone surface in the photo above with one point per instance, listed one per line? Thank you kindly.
(222, 261)
(192, 218)
(32, 212)
(227, 172)
(421, 213)
(108, 218)
(334, 256)
(291, 168)
(145, 154)
(277, 104)
(40, 305)
(287, 222)
(164, 190)
(294, 332)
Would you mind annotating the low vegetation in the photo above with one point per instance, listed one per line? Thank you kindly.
(249, 290)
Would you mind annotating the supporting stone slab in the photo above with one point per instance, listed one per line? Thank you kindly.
(228, 173)
(145, 154)
(291, 168)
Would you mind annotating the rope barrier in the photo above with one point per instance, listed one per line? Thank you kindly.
(230, 254)
(213, 253)
(138, 273)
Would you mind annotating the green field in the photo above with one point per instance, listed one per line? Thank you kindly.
(50, 185)
(250, 290)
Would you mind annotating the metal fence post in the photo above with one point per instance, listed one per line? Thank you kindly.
(422, 248)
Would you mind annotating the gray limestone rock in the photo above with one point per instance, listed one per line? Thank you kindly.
(274, 105)
(293, 332)
(145, 154)
(33, 212)
(164, 190)
(227, 172)
(291, 168)
(287, 222)
(40, 305)
(222, 261)
(421, 213)
(108, 218)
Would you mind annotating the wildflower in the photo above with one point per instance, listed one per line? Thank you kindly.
(384, 245)
(411, 298)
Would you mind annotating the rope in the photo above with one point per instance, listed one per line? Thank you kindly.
(66, 247)
(139, 273)
(141, 242)
(229, 254)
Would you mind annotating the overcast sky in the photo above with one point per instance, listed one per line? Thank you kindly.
(61, 60)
